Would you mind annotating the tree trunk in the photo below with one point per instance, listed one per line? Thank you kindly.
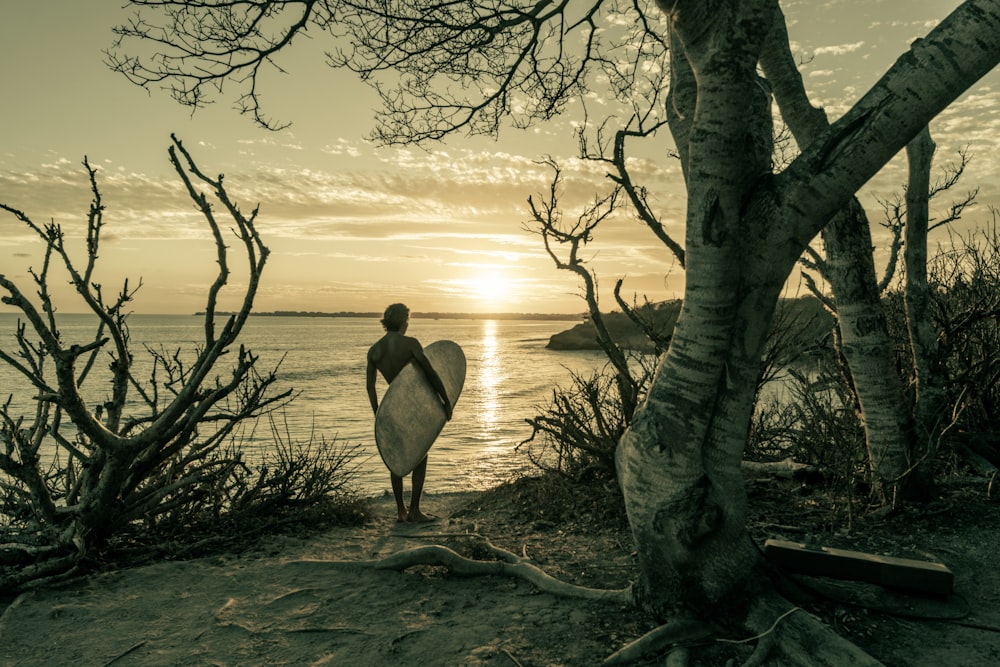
(865, 344)
(864, 334)
(929, 394)
(679, 462)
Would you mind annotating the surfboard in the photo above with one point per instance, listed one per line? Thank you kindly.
(410, 416)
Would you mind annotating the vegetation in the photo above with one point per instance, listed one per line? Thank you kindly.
(96, 457)
(446, 67)
(576, 435)
(807, 408)
(965, 307)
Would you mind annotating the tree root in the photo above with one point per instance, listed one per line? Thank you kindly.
(798, 639)
(791, 638)
(510, 565)
(676, 631)
(786, 635)
(44, 573)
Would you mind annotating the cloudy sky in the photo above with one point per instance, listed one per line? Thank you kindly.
(354, 226)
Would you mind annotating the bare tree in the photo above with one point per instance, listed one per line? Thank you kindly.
(927, 368)
(932, 415)
(466, 66)
(547, 222)
(78, 468)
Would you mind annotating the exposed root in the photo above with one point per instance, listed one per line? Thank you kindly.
(677, 657)
(512, 565)
(676, 631)
(785, 635)
(798, 639)
(45, 572)
(791, 638)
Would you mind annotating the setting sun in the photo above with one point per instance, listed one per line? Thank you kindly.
(489, 289)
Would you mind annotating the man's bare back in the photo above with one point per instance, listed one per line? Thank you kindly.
(392, 352)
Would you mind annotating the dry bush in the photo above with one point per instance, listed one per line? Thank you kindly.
(108, 444)
(576, 435)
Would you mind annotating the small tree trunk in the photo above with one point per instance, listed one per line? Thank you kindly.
(864, 335)
(929, 394)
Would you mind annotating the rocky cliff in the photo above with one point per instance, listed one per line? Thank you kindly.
(583, 336)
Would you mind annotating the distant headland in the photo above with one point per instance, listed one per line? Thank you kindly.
(565, 317)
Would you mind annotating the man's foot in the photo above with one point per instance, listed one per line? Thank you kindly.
(402, 517)
(416, 516)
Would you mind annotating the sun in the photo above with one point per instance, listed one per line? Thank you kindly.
(489, 288)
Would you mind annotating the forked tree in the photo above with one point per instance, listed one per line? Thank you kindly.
(849, 267)
(91, 453)
(465, 66)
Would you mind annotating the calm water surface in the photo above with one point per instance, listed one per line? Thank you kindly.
(510, 374)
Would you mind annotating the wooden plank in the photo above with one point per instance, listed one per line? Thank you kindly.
(914, 575)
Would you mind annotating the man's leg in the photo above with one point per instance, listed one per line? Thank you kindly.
(419, 473)
(397, 491)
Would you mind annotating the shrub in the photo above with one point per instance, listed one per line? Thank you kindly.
(157, 450)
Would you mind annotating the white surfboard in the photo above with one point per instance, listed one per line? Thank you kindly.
(410, 416)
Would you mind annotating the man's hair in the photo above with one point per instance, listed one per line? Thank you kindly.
(395, 317)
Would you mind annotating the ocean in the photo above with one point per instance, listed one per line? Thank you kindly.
(510, 376)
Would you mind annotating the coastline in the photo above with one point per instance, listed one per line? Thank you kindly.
(556, 317)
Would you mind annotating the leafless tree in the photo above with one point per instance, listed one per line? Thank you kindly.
(547, 222)
(86, 461)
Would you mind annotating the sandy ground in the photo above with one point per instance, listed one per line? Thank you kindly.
(281, 604)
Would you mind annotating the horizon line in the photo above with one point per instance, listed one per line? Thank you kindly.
(413, 314)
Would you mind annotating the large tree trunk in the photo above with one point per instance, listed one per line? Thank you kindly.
(679, 462)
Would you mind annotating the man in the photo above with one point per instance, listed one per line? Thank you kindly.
(389, 355)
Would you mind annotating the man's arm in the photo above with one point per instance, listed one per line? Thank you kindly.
(370, 376)
(435, 379)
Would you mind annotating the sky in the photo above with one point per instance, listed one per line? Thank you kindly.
(353, 226)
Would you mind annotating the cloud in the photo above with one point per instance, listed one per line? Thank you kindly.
(342, 234)
(837, 49)
(476, 196)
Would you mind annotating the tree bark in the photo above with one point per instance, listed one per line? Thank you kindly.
(865, 344)
(864, 333)
(678, 464)
(928, 374)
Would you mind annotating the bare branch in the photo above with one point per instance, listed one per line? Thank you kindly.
(440, 67)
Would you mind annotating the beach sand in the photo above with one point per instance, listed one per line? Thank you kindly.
(282, 605)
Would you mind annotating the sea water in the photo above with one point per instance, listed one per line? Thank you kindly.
(510, 377)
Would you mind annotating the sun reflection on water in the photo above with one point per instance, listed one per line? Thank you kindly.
(490, 376)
